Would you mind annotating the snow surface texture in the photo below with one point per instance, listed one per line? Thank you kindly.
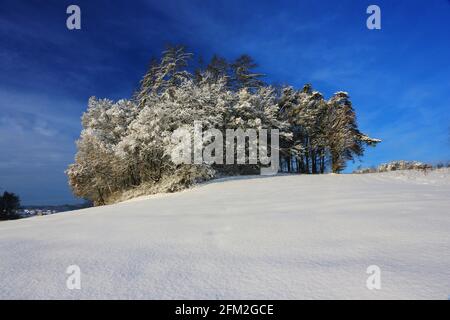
(282, 237)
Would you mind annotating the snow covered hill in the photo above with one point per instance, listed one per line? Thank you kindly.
(282, 237)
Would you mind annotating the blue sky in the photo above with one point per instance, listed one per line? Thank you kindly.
(398, 77)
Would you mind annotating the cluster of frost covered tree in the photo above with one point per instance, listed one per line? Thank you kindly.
(324, 132)
(126, 145)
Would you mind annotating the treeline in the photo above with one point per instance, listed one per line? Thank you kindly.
(126, 145)
(402, 165)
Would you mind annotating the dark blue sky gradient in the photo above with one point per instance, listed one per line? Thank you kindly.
(398, 77)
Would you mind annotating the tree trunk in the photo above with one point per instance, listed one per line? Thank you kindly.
(335, 165)
(322, 164)
(313, 163)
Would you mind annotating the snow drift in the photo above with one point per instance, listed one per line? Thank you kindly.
(282, 237)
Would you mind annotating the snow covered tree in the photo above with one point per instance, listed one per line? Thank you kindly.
(148, 84)
(305, 110)
(128, 145)
(92, 175)
(169, 72)
(218, 68)
(345, 141)
(243, 74)
(323, 131)
(254, 110)
(97, 170)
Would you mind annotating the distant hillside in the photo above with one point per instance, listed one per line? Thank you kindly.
(58, 208)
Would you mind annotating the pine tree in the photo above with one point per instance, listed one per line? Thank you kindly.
(168, 73)
(345, 141)
(243, 74)
(218, 68)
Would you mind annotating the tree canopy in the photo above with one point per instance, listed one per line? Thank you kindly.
(127, 144)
